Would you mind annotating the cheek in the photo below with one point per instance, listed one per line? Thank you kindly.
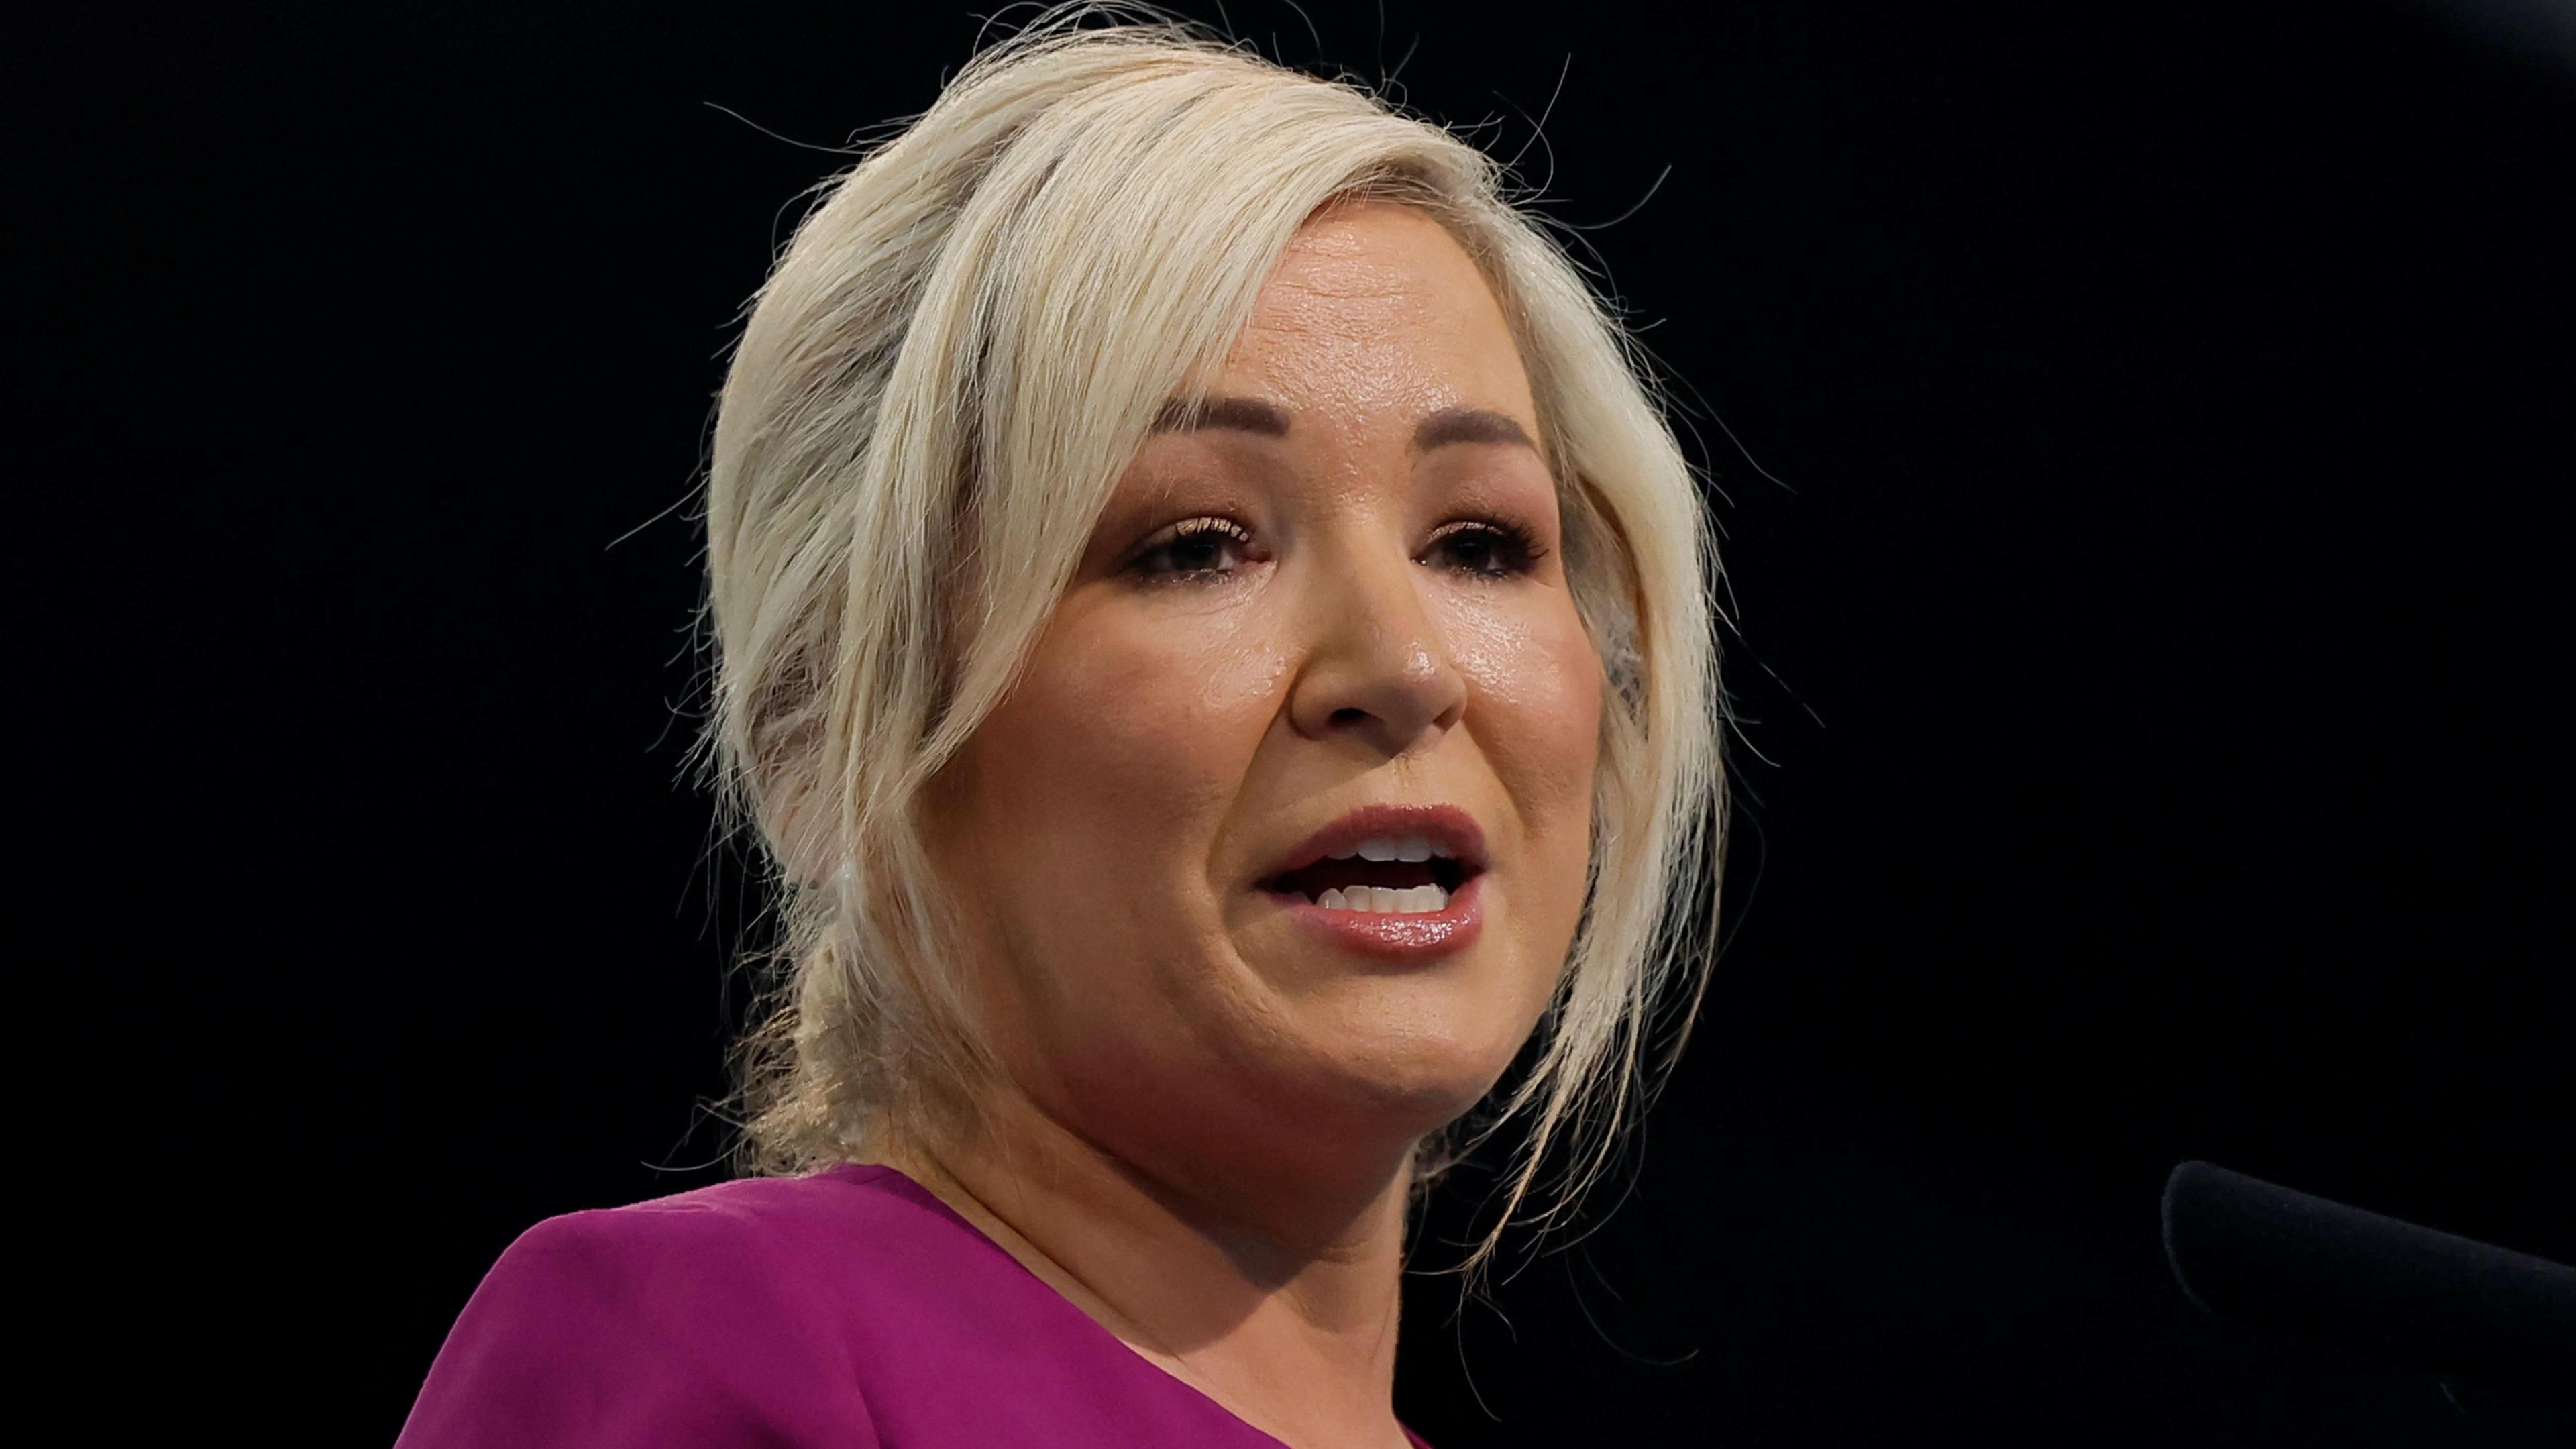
(1538, 694)
(1103, 781)
(1147, 729)
(1539, 688)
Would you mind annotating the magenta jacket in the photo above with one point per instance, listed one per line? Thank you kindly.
(849, 1309)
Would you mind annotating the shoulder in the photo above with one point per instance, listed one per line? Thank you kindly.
(756, 1250)
(667, 1321)
(732, 1238)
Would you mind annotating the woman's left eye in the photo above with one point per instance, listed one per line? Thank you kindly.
(1490, 549)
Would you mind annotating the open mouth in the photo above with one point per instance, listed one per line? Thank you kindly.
(1355, 883)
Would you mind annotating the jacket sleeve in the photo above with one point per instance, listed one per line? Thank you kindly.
(622, 1329)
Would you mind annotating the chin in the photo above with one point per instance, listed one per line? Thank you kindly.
(1391, 1055)
(1404, 1084)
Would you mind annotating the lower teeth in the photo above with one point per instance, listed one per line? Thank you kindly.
(1383, 900)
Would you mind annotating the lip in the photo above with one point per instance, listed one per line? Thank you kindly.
(1392, 936)
(1446, 824)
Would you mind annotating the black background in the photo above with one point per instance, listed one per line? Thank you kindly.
(2146, 540)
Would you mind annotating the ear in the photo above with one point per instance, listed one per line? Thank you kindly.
(796, 819)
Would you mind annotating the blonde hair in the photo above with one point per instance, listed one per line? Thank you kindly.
(945, 375)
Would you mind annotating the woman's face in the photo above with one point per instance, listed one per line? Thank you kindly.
(1340, 587)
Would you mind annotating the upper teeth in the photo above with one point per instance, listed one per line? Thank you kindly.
(1403, 847)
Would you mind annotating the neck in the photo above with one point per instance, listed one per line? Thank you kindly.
(1278, 1299)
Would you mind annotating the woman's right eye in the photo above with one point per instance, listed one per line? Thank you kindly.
(1191, 550)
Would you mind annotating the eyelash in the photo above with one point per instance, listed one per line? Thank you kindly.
(1510, 541)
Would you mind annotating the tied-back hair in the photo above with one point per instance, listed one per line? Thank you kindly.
(951, 365)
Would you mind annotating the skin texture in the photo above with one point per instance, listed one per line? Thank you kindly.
(1206, 1136)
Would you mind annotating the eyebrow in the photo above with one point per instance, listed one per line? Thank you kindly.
(1468, 425)
(1252, 415)
(1248, 414)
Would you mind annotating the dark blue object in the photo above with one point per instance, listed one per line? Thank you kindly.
(2252, 1250)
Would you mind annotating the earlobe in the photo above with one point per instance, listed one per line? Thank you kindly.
(800, 863)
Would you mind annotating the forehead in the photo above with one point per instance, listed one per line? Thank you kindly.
(1376, 316)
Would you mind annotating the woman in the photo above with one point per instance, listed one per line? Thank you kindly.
(1215, 638)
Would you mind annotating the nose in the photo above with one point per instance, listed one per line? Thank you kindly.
(1377, 668)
